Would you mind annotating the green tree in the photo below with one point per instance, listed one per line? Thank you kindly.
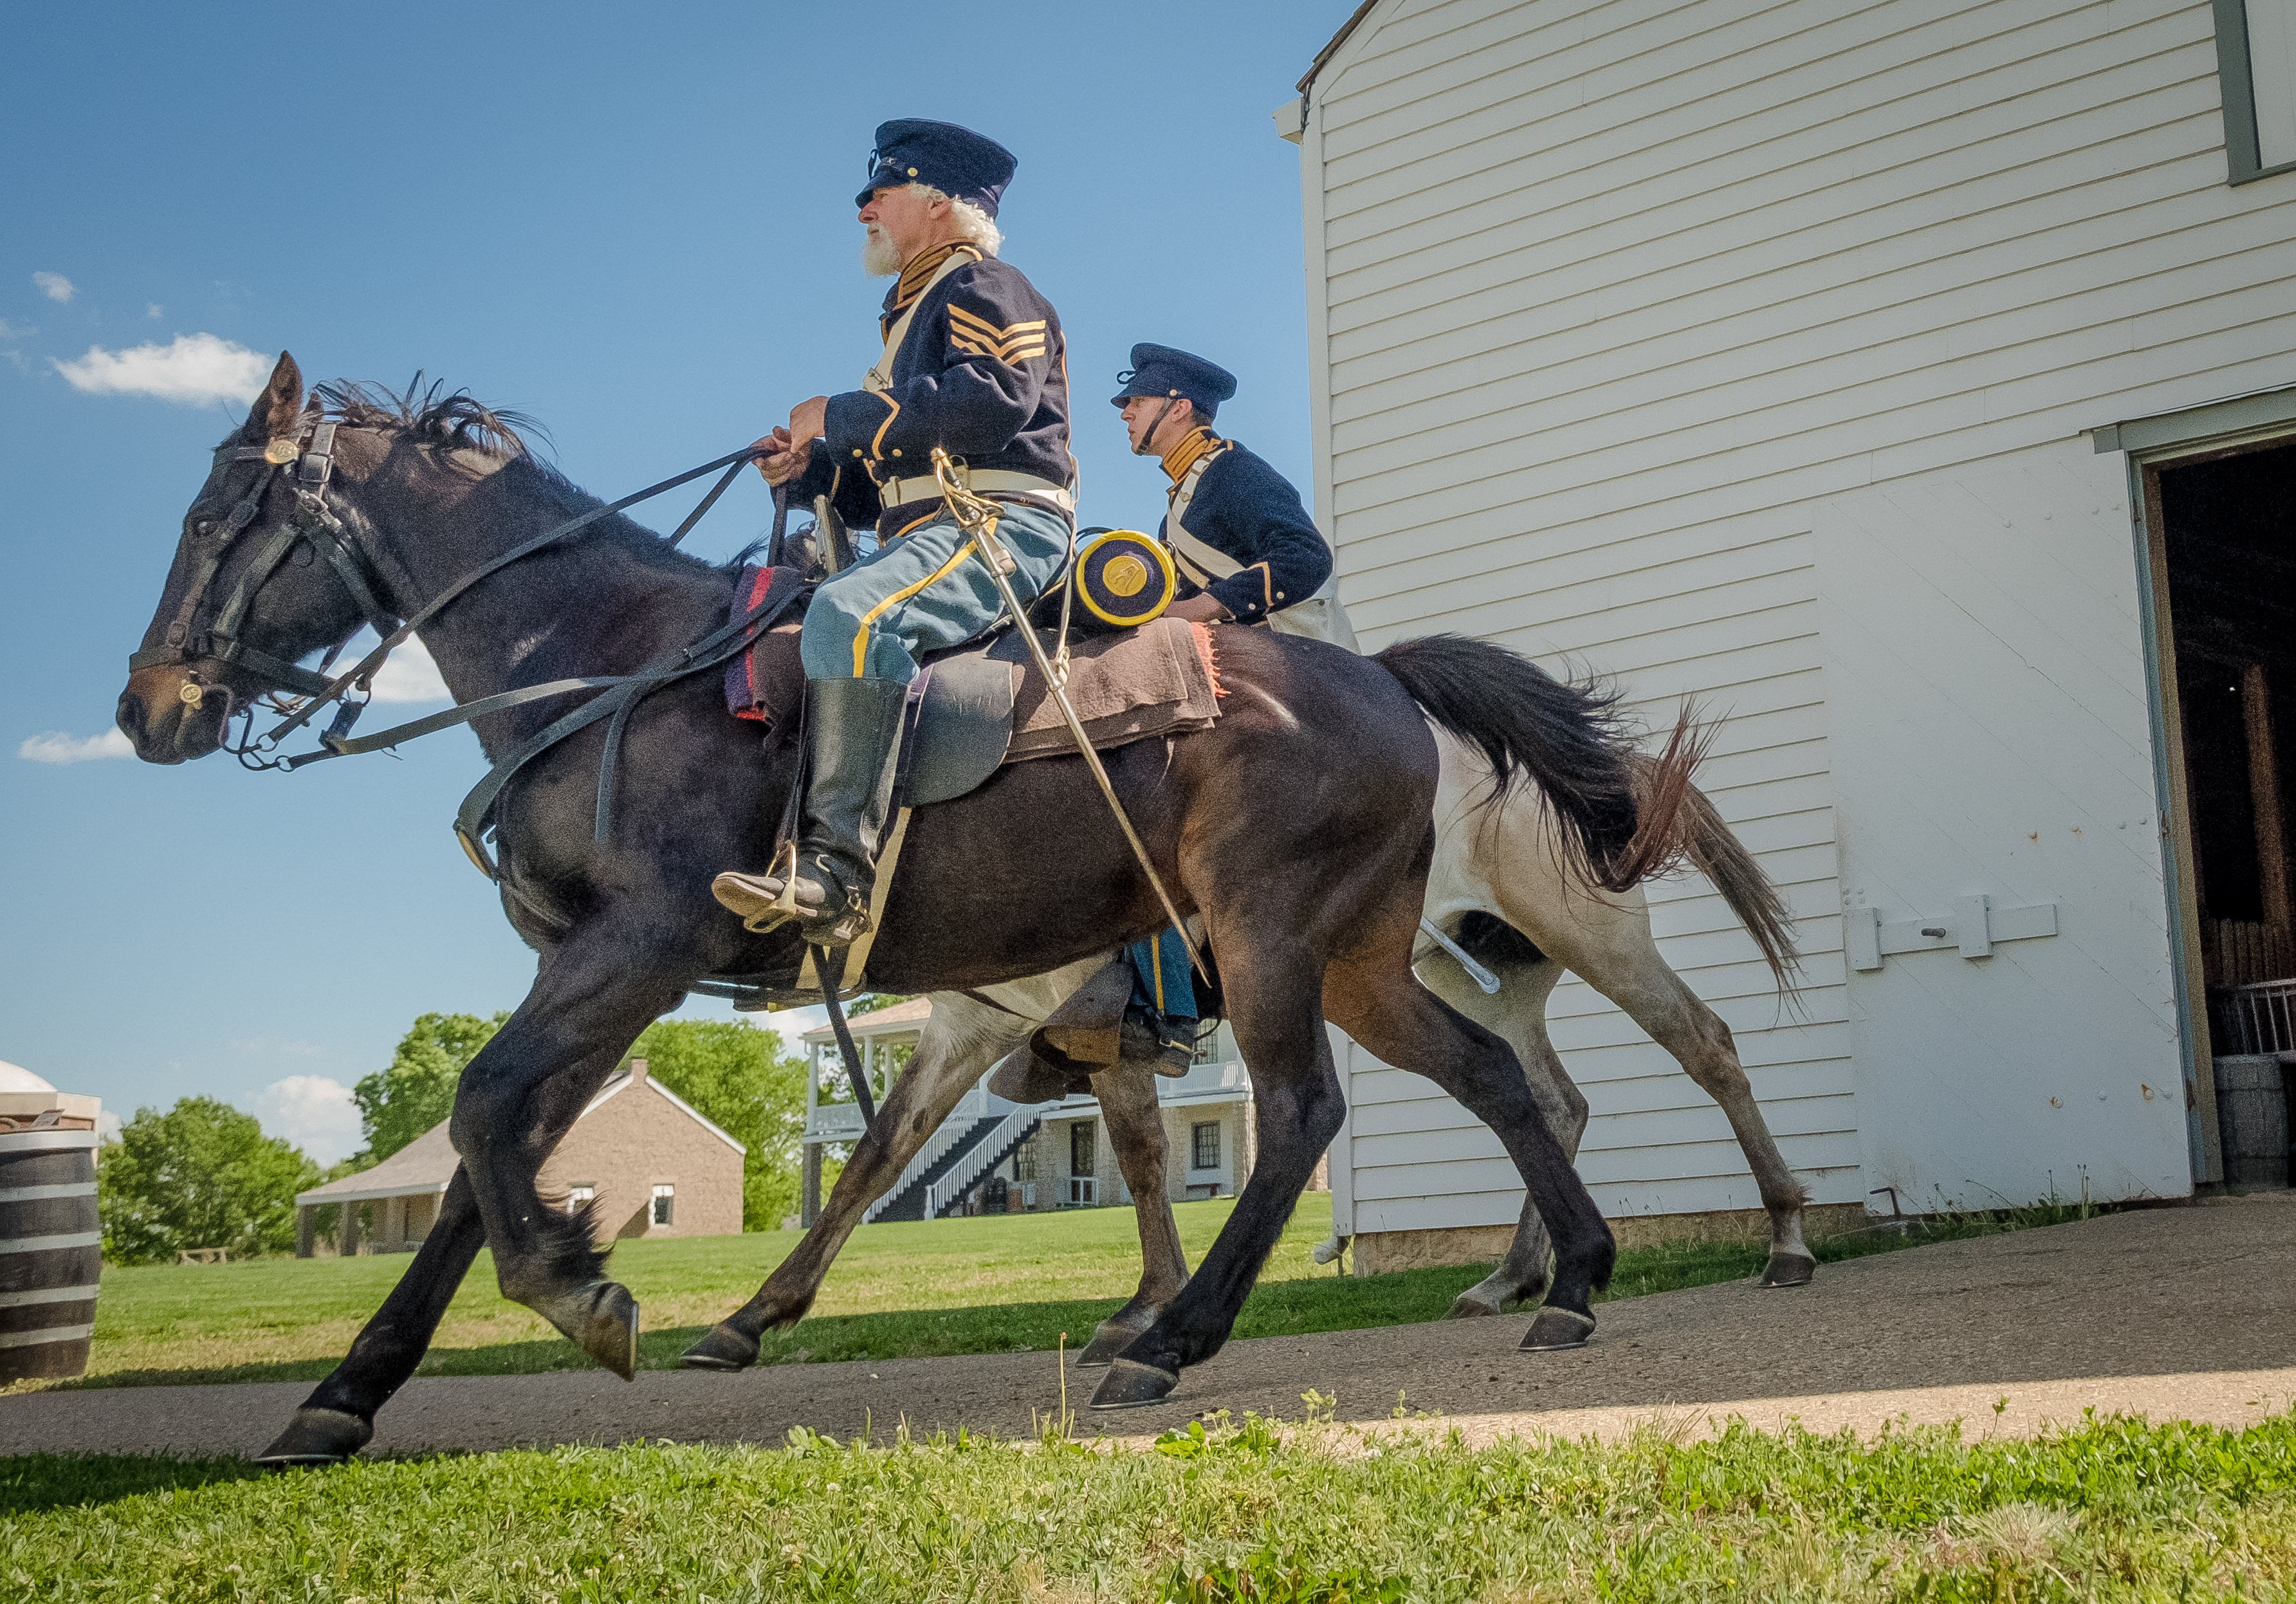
(200, 1175)
(740, 1078)
(398, 1104)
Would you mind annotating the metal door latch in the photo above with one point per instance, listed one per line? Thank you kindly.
(1976, 924)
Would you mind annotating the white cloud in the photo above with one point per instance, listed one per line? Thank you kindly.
(153, 309)
(55, 746)
(408, 675)
(196, 370)
(55, 286)
(8, 331)
(107, 1126)
(314, 1112)
(792, 1025)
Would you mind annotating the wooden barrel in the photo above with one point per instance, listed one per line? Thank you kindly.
(2253, 1118)
(51, 1251)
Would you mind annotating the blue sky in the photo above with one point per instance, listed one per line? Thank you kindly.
(634, 224)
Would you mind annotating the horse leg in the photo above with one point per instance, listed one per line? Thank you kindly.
(336, 1420)
(1296, 1110)
(516, 1099)
(942, 1070)
(1506, 860)
(1136, 1129)
(1517, 1015)
(1657, 999)
(1402, 1024)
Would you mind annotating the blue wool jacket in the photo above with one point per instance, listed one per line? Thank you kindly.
(1246, 510)
(982, 373)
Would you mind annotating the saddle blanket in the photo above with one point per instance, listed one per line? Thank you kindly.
(983, 705)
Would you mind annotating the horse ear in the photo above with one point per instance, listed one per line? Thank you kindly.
(281, 407)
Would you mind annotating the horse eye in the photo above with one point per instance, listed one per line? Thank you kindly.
(205, 526)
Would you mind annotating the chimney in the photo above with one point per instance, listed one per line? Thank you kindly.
(637, 1072)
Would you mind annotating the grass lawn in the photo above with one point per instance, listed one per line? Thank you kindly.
(1303, 1514)
(900, 1290)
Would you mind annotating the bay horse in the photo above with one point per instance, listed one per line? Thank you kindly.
(1497, 883)
(1298, 828)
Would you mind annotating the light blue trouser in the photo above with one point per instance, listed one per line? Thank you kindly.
(1161, 976)
(922, 592)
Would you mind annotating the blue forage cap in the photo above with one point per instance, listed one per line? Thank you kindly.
(958, 163)
(1159, 370)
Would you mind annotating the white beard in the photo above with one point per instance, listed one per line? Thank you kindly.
(880, 258)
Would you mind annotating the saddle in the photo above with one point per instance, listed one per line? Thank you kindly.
(976, 707)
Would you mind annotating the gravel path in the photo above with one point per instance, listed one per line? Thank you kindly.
(2183, 1312)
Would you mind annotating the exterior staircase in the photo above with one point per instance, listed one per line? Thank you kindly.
(987, 1151)
(909, 1202)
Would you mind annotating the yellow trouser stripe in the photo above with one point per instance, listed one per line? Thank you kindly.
(861, 632)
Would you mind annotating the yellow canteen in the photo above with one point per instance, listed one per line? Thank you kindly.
(1124, 578)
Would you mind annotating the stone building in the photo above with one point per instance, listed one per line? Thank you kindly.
(647, 1160)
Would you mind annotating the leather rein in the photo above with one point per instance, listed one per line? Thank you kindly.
(306, 464)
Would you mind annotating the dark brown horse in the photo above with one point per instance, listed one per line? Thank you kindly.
(1298, 826)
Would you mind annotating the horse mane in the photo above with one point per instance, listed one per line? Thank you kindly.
(457, 421)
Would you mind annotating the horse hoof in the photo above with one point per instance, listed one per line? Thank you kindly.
(601, 1320)
(723, 1349)
(315, 1437)
(1789, 1270)
(1557, 1327)
(1468, 1306)
(1132, 1385)
(1108, 1341)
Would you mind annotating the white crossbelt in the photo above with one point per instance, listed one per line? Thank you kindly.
(879, 377)
(981, 482)
(1320, 617)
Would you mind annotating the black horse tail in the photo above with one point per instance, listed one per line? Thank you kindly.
(1722, 858)
(1617, 812)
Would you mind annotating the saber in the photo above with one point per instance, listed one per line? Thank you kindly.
(1475, 971)
(977, 516)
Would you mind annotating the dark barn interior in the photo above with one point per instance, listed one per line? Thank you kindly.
(2229, 526)
(2228, 532)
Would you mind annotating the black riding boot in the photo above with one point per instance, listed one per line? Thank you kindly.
(855, 728)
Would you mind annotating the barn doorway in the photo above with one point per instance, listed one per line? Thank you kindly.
(2223, 534)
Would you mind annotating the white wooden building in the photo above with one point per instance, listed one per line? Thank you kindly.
(1844, 364)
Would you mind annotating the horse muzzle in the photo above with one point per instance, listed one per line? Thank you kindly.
(171, 714)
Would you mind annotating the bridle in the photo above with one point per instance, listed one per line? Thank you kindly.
(311, 520)
(304, 462)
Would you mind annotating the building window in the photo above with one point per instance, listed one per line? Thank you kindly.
(2255, 66)
(665, 1205)
(1203, 1146)
(1084, 1142)
(1024, 1163)
(576, 1196)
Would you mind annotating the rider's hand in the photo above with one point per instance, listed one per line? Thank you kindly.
(809, 419)
(1204, 608)
(784, 459)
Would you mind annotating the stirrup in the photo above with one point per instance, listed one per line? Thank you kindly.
(784, 907)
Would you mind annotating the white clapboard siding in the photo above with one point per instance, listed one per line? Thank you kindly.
(1628, 321)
